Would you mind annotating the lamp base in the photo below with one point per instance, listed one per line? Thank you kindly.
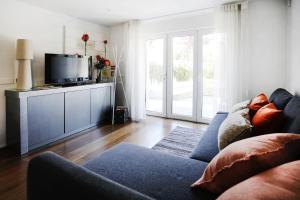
(24, 81)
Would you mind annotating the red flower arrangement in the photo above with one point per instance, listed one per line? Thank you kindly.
(101, 62)
(98, 57)
(85, 37)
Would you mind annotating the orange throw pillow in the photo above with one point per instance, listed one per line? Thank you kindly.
(245, 158)
(278, 183)
(258, 102)
(268, 119)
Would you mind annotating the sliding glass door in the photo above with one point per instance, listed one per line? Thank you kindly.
(182, 82)
(155, 63)
(180, 75)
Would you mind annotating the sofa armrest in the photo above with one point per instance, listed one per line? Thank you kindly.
(50, 176)
(207, 147)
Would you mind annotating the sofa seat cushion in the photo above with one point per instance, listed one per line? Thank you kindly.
(207, 147)
(155, 174)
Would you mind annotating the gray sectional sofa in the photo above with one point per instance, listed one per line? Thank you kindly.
(124, 172)
(132, 172)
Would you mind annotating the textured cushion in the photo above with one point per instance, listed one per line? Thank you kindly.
(279, 183)
(280, 98)
(207, 147)
(155, 174)
(292, 116)
(248, 157)
(268, 119)
(50, 177)
(258, 102)
(240, 106)
(236, 126)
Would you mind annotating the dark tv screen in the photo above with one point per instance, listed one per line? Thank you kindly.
(62, 68)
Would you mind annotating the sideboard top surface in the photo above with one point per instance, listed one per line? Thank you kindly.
(37, 92)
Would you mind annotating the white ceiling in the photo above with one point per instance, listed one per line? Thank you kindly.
(108, 12)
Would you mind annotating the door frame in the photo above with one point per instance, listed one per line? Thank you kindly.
(164, 109)
(168, 74)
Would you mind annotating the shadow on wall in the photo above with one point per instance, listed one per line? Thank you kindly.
(7, 59)
(7, 66)
(7, 74)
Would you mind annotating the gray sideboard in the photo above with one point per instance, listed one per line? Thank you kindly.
(38, 117)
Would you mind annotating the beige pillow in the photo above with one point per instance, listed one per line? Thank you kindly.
(240, 106)
(236, 126)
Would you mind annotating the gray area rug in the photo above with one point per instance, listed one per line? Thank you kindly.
(180, 142)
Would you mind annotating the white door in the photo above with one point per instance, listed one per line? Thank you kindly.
(156, 76)
(181, 79)
(180, 75)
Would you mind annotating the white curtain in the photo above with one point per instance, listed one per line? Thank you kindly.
(232, 67)
(134, 71)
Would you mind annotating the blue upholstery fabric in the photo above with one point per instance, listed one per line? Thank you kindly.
(280, 98)
(292, 116)
(52, 177)
(155, 174)
(207, 147)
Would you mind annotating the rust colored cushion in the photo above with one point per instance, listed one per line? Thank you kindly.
(258, 102)
(268, 119)
(278, 183)
(248, 157)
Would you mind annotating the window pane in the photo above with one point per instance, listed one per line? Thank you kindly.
(155, 75)
(183, 64)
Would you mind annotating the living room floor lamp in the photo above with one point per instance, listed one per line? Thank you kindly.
(24, 55)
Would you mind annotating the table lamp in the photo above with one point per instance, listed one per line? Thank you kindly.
(24, 55)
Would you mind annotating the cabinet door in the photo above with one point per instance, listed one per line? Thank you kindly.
(100, 104)
(45, 118)
(78, 110)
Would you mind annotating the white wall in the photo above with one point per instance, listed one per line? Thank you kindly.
(117, 36)
(267, 20)
(47, 30)
(293, 53)
(193, 21)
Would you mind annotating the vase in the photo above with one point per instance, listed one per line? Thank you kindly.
(99, 77)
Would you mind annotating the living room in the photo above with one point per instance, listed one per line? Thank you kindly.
(194, 99)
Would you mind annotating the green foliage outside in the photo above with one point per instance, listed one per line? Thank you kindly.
(181, 73)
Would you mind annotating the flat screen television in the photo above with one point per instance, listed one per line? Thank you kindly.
(63, 69)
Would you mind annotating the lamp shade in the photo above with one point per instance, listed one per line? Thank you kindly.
(24, 49)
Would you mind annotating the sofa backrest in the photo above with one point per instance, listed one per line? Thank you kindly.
(280, 98)
(50, 176)
(291, 109)
(292, 116)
